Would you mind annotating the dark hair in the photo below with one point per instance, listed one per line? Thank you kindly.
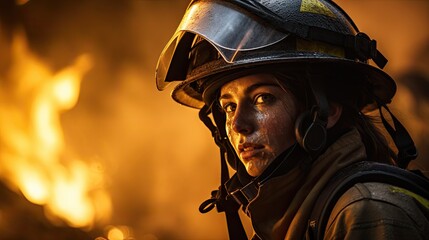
(376, 145)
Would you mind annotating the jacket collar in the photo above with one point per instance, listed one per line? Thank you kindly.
(285, 202)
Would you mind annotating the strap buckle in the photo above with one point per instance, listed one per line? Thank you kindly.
(245, 194)
(366, 48)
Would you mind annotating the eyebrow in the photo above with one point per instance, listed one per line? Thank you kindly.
(249, 89)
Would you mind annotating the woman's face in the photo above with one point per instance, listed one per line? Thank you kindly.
(260, 117)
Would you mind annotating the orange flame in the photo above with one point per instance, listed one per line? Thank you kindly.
(33, 157)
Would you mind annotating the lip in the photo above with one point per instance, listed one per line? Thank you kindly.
(249, 150)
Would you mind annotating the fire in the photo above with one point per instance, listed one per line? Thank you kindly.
(33, 159)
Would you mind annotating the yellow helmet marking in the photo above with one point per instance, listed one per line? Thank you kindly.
(314, 6)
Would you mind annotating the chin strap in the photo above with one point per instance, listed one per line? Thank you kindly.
(246, 190)
(403, 141)
(219, 197)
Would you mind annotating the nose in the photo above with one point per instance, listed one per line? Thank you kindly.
(243, 121)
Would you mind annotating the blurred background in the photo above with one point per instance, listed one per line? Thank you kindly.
(89, 149)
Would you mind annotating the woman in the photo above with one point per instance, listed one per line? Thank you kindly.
(287, 85)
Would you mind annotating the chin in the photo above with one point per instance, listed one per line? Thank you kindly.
(254, 172)
(256, 166)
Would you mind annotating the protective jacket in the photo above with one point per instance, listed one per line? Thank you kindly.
(283, 205)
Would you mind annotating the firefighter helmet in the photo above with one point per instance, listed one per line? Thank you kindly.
(218, 38)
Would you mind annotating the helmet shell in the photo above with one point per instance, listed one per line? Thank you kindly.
(269, 35)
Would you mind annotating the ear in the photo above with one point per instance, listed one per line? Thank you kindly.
(335, 111)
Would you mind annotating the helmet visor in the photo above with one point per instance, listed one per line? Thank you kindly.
(228, 28)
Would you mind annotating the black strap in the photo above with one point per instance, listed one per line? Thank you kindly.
(245, 191)
(360, 173)
(403, 141)
(219, 197)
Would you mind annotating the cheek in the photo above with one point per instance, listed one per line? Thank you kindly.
(279, 129)
(228, 126)
(229, 132)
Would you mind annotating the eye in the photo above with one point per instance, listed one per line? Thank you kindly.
(229, 107)
(264, 98)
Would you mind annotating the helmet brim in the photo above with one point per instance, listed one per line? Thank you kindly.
(383, 86)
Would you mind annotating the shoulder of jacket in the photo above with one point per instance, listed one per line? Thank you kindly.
(381, 192)
(385, 196)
